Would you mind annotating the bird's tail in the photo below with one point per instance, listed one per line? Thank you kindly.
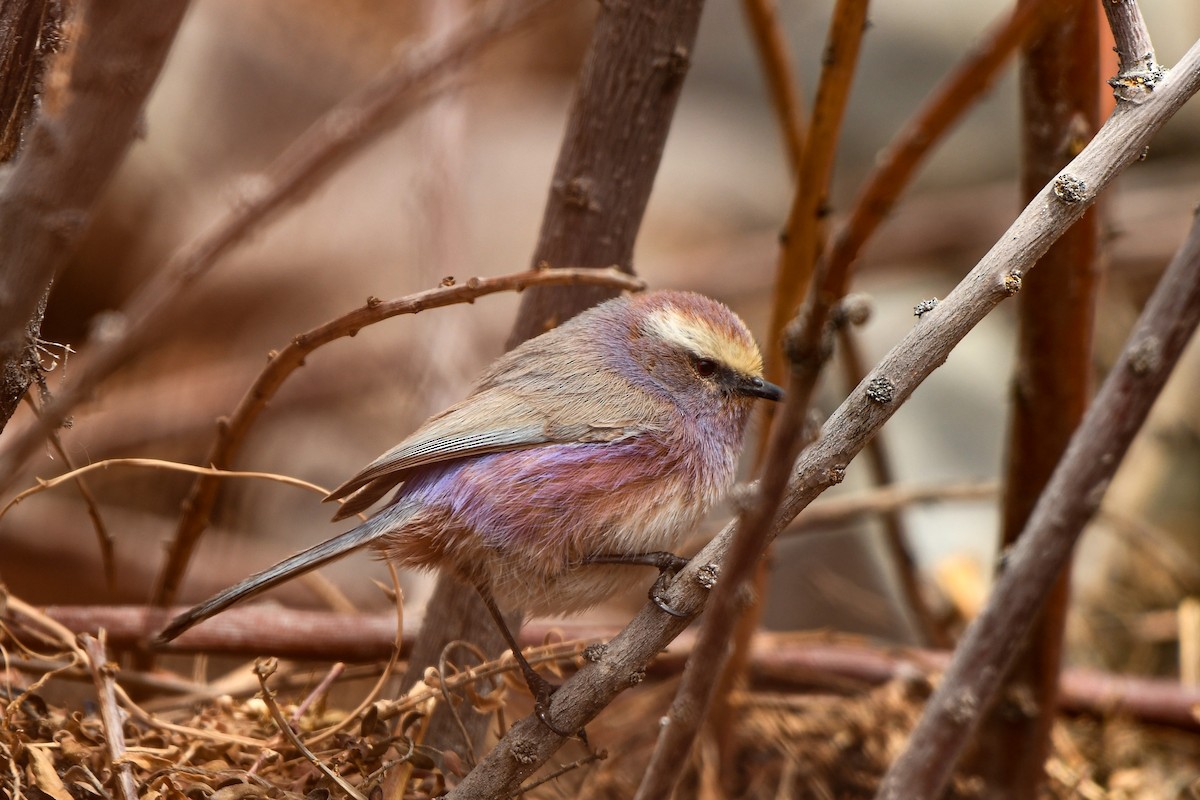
(317, 556)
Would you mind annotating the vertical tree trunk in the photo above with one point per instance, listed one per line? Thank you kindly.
(82, 133)
(1060, 86)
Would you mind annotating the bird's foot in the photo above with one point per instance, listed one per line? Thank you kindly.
(542, 691)
(669, 567)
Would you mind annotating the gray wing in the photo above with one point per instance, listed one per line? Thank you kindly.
(497, 419)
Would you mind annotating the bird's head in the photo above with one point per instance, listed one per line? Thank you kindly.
(698, 351)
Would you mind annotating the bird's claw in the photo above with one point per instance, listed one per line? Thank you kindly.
(658, 591)
(543, 690)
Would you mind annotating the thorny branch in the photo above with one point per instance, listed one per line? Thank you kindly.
(345, 129)
(997, 276)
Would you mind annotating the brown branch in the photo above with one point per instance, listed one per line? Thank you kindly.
(896, 164)
(110, 713)
(232, 430)
(833, 666)
(1052, 381)
(298, 170)
(779, 72)
(998, 275)
(802, 240)
(86, 123)
(989, 648)
(777, 660)
(30, 32)
(801, 236)
(1138, 71)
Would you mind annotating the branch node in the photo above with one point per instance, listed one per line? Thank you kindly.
(1135, 86)
(1012, 282)
(577, 193)
(676, 63)
(881, 390)
(854, 309)
(524, 752)
(707, 575)
(1146, 356)
(595, 652)
(637, 676)
(924, 307)
(1070, 189)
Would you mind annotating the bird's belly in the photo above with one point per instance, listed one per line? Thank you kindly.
(523, 522)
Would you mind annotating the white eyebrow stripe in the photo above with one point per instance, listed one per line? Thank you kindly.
(699, 338)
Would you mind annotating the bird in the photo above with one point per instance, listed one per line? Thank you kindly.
(595, 445)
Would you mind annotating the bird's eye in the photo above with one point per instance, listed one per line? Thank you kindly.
(706, 367)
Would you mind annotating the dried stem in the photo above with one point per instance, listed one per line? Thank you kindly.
(264, 669)
(989, 648)
(772, 48)
(232, 430)
(104, 537)
(110, 713)
(998, 275)
(298, 170)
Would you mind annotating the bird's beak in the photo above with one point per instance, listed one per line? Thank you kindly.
(759, 387)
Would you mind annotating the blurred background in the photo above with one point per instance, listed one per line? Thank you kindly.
(459, 190)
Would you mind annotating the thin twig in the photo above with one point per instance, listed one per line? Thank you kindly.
(896, 164)
(310, 159)
(991, 644)
(110, 713)
(599, 755)
(232, 430)
(104, 538)
(997, 276)
(779, 71)
(156, 463)
(264, 669)
(322, 688)
(889, 499)
(801, 238)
